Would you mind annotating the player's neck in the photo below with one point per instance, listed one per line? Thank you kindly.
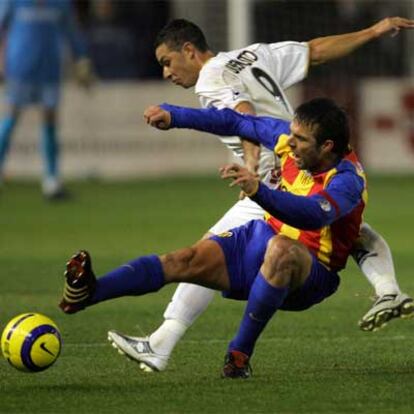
(205, 57)
(326, 164)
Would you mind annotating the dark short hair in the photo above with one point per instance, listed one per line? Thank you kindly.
(180, 31)
(330, 122)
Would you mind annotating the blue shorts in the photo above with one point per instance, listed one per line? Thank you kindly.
(26, 93)
(244, 248)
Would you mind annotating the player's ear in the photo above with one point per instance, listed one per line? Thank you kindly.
(328, 146)
(188, 49)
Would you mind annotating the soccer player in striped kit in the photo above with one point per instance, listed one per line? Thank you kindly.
(288, 261)
(252, 80)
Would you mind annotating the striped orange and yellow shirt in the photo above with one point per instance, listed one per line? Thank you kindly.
(330, 244)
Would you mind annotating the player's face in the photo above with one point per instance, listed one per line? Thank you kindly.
(307, 153)
(178, 66)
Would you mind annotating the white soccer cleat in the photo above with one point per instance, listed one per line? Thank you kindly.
(52, 189)
(386, 308)
(139, 350)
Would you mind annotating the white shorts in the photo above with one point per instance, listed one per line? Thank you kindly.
(242, 212)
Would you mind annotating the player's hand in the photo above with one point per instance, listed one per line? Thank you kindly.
(253, 166)
(393, 25)
(157, 117)
(241, 176)
(84, 73)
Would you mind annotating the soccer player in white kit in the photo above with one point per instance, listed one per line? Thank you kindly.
(253, 80)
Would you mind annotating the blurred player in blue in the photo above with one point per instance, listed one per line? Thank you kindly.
(34, 31)
(290, 260)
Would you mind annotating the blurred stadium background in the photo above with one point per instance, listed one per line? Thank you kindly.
(103, 134)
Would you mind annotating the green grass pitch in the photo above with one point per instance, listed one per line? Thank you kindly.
(315, 361)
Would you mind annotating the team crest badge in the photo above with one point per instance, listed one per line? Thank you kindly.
(325, 205)
(225, 234)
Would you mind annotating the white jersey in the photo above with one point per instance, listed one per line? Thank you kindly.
(258, 74)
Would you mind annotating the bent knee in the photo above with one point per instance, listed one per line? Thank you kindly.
(282, 247)
(286, 260)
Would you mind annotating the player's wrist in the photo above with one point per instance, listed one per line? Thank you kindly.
(254, 190)
(373, 32)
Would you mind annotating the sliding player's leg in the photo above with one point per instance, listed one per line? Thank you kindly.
(288, 278)
(153, 352)
(187, 304)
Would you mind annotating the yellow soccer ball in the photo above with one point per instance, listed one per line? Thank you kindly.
(31, 342)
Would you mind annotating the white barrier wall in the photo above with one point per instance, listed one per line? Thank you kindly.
(387, 125)
(103, 134)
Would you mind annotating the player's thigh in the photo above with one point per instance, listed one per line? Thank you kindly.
(203, 264)
(244, 248)
(20, 93)
(209, 264)
(23, 93)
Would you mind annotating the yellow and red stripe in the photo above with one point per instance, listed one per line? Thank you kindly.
(330, 244)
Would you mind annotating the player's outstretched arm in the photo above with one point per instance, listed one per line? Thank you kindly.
(324, 49)
(157, 117)
(224, 122)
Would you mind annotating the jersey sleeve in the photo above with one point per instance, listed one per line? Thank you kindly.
(290, 61)
(344, 192)
(218, 87)
(342, 195)
(226, 122)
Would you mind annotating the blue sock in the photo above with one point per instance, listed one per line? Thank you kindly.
(6, 129)
(50, 149)
(140, 276)
(264, 299)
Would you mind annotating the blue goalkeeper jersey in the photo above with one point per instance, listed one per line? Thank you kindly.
(35, 31)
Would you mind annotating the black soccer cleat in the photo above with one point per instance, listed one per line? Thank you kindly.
(80, 282)
(236, 365)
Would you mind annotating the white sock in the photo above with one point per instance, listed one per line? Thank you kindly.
(379, 268)
(164, 339)
(187, 304)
